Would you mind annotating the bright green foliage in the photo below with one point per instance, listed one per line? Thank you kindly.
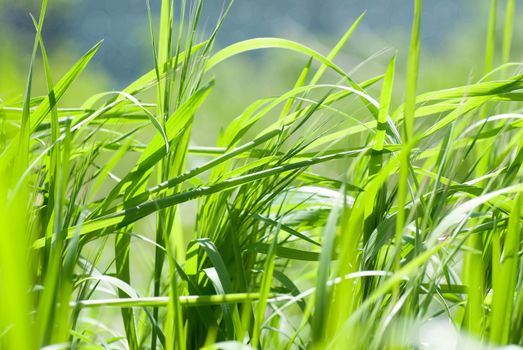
(324, 218)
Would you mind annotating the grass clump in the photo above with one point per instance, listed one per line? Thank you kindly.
(324, 218)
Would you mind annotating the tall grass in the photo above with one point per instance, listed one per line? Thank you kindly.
(324, 218)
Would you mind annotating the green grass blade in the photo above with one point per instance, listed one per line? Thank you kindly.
(336, 50)
(62, 86)
(491, 37)
(322, 290)
(508, 29)
(408, 130)
(504, 278)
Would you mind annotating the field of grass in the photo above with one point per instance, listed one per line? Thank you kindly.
(333, 216)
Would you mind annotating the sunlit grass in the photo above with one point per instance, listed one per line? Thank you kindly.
(327, 217)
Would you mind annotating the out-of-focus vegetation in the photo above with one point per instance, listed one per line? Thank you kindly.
(264, 194)
(452, 37)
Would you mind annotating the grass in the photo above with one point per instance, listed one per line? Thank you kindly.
(324, 218)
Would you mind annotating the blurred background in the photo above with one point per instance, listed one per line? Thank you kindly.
(453, 36)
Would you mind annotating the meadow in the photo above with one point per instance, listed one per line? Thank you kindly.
(343, 213)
